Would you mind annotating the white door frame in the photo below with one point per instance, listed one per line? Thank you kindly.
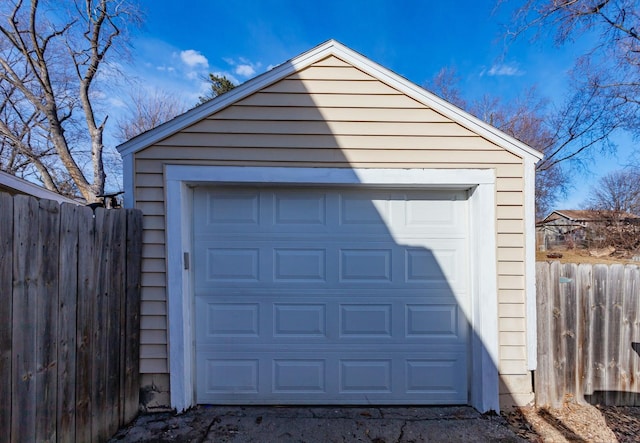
(483, 394)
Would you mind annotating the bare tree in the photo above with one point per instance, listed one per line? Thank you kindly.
(51, 59)
(608, 72)
(615, 198)
(146, 110)
(617, 191)
(526, 119)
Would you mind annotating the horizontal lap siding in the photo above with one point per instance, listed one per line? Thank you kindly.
(149, 194)
(332, 115)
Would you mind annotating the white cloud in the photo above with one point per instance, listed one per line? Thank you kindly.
(503, 70)
(243, 67)
(245, 70)
(116, 102)
(193, 58)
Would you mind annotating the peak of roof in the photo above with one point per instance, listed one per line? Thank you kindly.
(335, 48)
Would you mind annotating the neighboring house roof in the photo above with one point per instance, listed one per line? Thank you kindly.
(320, 52)
(586, 215)
(16, 185)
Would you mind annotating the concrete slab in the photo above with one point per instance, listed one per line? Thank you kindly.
(320, 424)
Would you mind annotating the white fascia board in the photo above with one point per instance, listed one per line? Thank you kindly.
(450, 178)
(179, 311)
(484, 283)
(530, 263)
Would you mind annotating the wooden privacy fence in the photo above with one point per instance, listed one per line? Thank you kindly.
(69, 320)
(588, 334)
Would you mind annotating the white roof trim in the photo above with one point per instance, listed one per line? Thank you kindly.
(326, 49)
(22, 186)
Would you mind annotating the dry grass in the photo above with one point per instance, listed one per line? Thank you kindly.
(576, 423)
(582, 256)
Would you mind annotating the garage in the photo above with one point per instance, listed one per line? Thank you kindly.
(330, 296)
(331, 233)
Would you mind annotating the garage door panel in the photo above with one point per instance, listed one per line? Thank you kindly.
(299, 264)
(365, 320)
(429, 320)
(299, 320)
(361, 377)
(433, 263)
(324, 296)
(365, 376)
(294, 208)
(300, 376)
(340, 212)
(232, 320)
(340, 321)
(232, 264)
(229, 208)
(367, 211)
(365, 265)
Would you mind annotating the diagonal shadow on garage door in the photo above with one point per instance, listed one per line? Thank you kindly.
(310, 290)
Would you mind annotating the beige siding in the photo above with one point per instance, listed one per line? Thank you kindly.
(332, 115)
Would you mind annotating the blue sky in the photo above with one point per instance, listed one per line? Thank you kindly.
(178, 46)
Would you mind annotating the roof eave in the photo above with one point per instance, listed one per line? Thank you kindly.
(22, 186)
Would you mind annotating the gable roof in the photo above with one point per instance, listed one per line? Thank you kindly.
(16, 185)
(585, 215)
(306, 59)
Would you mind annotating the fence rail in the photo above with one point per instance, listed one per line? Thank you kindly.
(69, 320)
(588, 334)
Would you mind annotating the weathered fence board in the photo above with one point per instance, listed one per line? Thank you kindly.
(46, 376)
(67, 315)
(543, 385)
(25, 282)
(130, 343)
(84, 330)
(588, 322)
(6, 311)
(69, 308)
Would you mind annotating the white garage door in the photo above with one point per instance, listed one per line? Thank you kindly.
(331, 296)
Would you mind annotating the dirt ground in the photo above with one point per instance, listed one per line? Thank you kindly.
(576, 423)
(581, 256)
